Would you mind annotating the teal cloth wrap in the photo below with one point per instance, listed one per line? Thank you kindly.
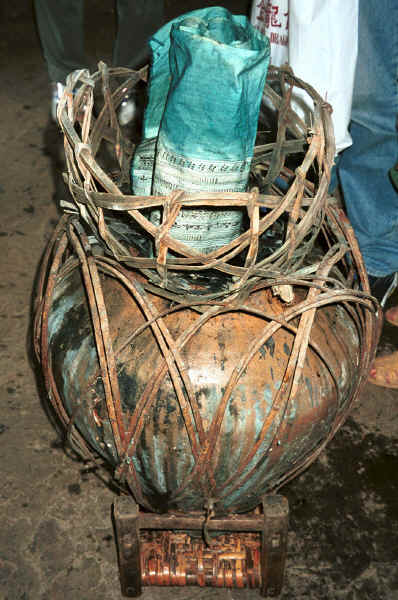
(207, 78)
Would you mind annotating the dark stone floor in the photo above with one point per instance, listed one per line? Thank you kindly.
(56, 537)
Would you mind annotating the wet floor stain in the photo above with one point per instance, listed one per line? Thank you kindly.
(346, 507)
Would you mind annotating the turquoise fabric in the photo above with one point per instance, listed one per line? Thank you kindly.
(208, 73)
(206, 84)
(218, 65)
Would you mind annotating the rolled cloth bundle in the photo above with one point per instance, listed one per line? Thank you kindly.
(208, 75)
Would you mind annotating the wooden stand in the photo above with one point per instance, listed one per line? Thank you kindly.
(249, 551)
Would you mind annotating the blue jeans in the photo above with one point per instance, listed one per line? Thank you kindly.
(370, 198)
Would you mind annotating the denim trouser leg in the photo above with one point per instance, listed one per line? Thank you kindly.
(371, 200)
(61, 29)
(137, 21)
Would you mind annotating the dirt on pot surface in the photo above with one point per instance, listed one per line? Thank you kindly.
(56, 538)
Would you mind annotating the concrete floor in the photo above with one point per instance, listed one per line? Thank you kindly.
(56, 537)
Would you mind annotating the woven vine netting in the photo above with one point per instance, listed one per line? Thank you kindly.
(283, 209)
(296, 242)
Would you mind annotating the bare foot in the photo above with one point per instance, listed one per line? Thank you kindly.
(384, 371)
(391, 315)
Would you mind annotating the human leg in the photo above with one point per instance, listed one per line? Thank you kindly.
(137, 20)
(371, 200)
(61, 30)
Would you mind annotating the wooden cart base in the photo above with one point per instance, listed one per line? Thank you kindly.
(243, 550)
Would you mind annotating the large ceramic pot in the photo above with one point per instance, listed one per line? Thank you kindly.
(202, 403)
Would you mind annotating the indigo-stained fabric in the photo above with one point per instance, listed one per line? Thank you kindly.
(208, 75)
(158, 88)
